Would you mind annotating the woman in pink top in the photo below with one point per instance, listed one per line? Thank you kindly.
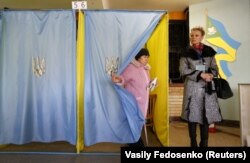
(135, 78)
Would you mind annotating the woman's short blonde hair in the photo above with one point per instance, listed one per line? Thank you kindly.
(199, 28)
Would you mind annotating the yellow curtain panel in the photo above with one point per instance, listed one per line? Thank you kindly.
(158, 48)
(80, 81)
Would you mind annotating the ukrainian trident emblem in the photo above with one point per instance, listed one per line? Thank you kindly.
(38, 66)
(111, 65)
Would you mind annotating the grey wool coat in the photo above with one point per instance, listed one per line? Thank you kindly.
(199, 104)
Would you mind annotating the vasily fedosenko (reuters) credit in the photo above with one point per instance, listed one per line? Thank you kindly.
(161, 154)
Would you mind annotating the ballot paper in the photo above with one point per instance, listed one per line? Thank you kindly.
(153, 84)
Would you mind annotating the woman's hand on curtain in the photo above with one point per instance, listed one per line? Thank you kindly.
(115, 78)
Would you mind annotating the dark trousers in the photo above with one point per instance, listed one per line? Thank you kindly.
(204, 128)
(139, 143)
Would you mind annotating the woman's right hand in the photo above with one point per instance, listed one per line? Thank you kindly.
(208, 77)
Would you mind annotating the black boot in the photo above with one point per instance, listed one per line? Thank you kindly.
(192, 134)
(204, 135)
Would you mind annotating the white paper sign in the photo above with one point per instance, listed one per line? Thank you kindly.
(77, 5)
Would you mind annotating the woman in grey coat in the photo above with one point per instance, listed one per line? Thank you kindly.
(200, 103)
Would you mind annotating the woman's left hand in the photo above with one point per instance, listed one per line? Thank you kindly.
(115, 78)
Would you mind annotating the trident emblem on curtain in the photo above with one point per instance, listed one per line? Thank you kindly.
(111, 65)
(38, 66)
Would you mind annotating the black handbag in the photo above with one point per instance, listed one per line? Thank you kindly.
(222, 88)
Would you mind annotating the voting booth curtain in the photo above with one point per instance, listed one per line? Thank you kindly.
(55, 80)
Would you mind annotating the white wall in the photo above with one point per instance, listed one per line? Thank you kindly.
(235, 16)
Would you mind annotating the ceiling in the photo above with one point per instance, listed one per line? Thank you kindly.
(169, 5)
